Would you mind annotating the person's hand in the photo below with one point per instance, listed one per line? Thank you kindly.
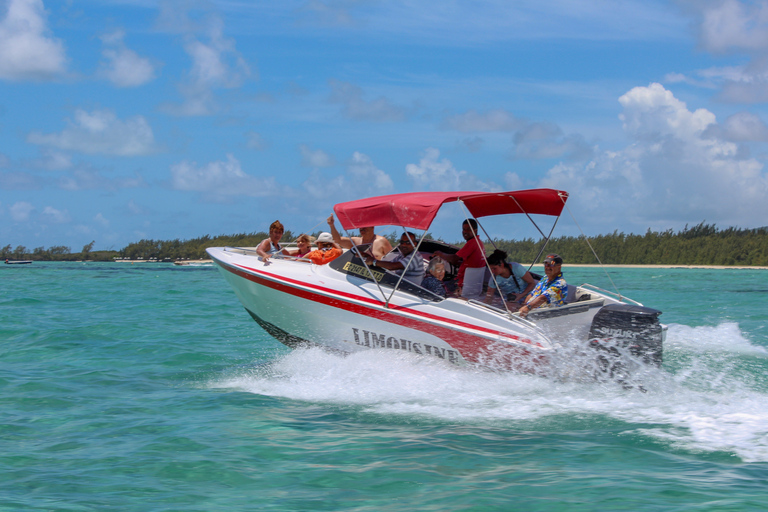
(330, 220)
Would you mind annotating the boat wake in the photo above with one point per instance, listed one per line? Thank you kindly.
(711, 395)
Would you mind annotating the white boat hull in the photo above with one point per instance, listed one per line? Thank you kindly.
(300, 303)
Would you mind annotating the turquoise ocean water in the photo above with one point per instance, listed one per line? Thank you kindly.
(148, 387)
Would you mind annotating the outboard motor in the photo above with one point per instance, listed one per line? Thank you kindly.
(618, 328)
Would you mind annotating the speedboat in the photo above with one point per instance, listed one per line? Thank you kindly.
(17, 262)
(348, 306)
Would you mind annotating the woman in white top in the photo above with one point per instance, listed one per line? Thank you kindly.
(270, 246)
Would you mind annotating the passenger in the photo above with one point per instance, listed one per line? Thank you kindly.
(552, 290)
(327, 250)
(472, 260)
(271, 246)
(515, 282)
(380, 246)
(304, 246)
(434, 278)
(404, 262)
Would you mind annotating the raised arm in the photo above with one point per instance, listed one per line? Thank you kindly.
(453, 259)
(343, 241)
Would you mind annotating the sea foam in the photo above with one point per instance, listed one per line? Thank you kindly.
(717, 410)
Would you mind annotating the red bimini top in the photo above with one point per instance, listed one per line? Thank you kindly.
(417, 209)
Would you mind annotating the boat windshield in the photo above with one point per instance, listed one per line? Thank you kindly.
(351, 264)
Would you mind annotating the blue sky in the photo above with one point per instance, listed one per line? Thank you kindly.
(130, 119)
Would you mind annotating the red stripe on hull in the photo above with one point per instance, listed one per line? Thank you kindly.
(473, 348)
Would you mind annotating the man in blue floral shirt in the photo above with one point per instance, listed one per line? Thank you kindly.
(552, 290)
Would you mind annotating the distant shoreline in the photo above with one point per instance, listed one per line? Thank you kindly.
(612, 265)
(566, 265)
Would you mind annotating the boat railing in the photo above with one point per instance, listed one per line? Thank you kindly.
(241, 250)
(512, 316)
(613, 295)
(251, 251)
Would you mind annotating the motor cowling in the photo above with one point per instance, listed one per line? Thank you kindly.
(627, 327)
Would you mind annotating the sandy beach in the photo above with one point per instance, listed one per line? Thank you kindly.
(192, 262)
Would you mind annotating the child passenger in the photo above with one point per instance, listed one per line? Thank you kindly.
(303, 246)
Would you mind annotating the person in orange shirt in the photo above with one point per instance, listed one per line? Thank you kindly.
(327, 250)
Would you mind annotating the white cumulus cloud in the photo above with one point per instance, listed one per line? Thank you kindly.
(741, 127)
(27, 51)
(434, 174)
(361, 179)
(490, 121)
(315, 157)
(101, 132)
(122, 66)
(216, 63)
(653, 111)
(732, 24)
(20, 211)
(355, 107)
(732, 27)
(51, 214)
(101, 219)
(84, 178)
(681, 167)
(221, 179)
(530, 140)
(52, 160)
(256, 141)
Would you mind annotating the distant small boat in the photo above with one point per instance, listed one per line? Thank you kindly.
(194, 263)
(17, 262)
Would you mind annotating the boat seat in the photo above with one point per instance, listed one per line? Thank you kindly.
(571, 295)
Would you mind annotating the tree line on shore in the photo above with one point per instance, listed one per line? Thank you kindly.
(703, 244)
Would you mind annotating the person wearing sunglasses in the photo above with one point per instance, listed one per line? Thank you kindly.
(407, 261)
(552, 290)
